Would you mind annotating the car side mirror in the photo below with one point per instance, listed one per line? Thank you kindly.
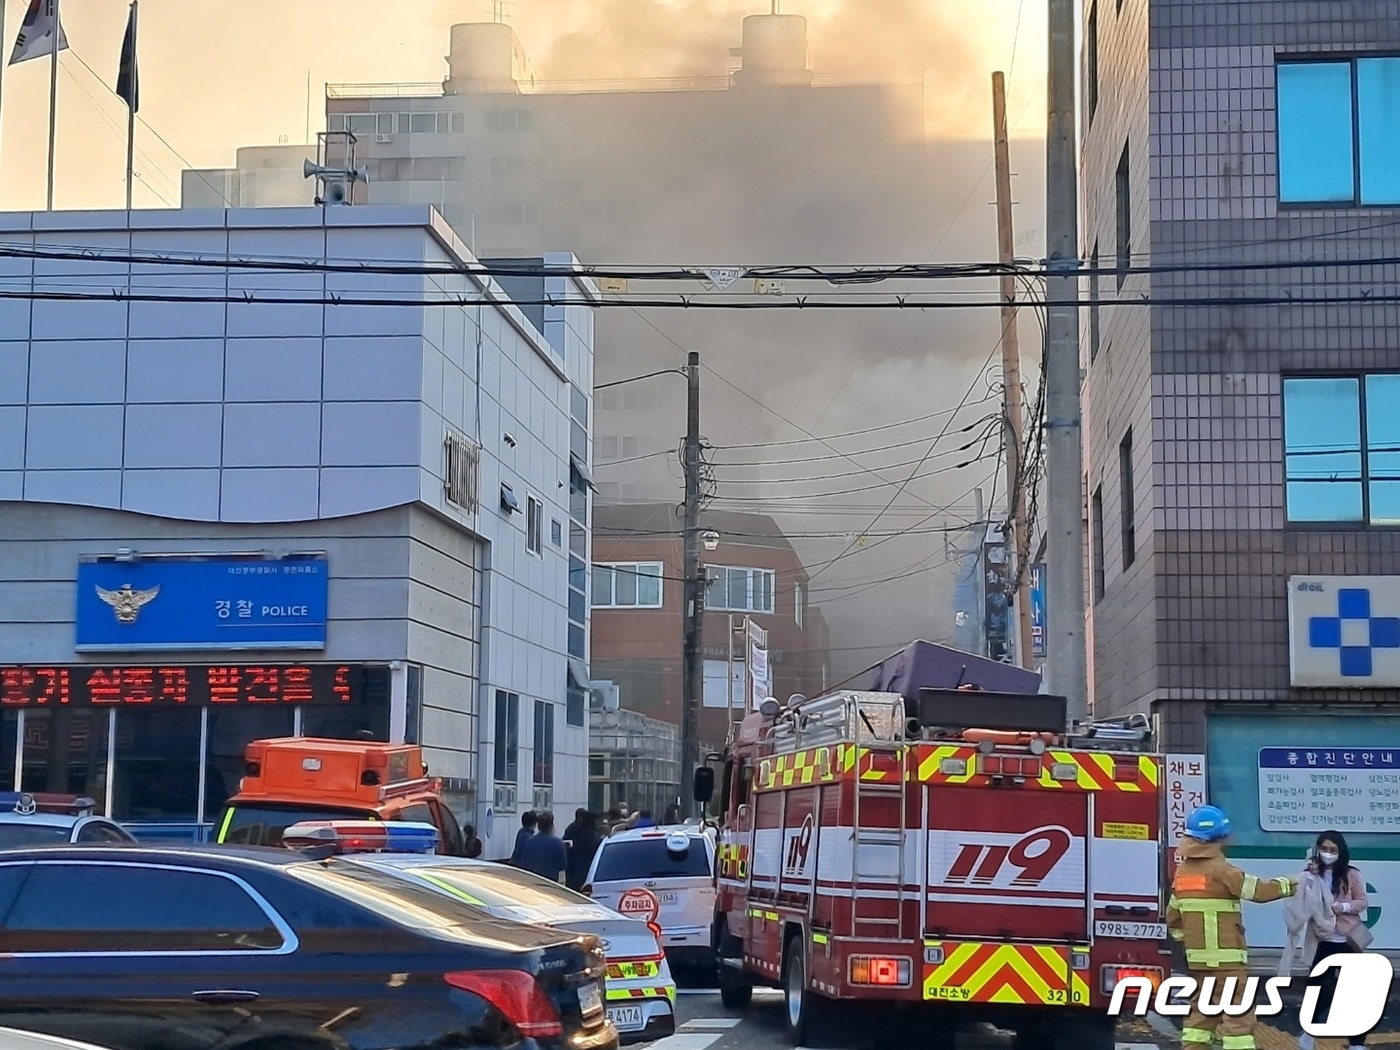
(704, 788)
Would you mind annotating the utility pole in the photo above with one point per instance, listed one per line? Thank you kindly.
(1016, 485)
(694, 608)
(1067, 669)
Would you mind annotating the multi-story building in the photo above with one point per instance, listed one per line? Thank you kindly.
(1243, 512)
(223, 518)
(261, 177)
(770, 163)
(752, 571)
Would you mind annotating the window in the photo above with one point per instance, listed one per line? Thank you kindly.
(1091, 62)
(1125, 218)
(799, 602)
(650, 859)
(544, 744)
(556, 532)
(507, 749)
(422, 123)
(1341, 440)
(740, 590)
(1125, 498)
(418, 813)
(98, 831)
(1339, 132)
(1094, 304)
(140, 909)
(509, 120)
(576, 704)
(1097, 529)
(534, 525)
(627, 586)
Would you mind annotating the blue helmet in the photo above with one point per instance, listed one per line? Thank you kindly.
(1209, 824)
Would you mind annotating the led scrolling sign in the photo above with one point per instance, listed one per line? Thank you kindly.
(153, 685)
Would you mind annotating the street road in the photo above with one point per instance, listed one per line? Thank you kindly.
(704, 1024)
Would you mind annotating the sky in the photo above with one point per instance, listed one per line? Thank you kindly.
(218, 74)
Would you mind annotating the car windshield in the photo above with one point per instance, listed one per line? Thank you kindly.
(262, 823)
(14, 836)
(506, 888)
(649, 859)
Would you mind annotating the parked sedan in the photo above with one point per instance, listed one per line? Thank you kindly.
(192, 948)
(12, 1039)
(36, 819)
(641, 994)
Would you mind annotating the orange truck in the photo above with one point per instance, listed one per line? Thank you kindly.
(289, 780)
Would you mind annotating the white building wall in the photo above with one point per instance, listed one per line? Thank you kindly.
(259, 412)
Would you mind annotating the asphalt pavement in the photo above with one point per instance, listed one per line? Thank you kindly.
(704, 1024)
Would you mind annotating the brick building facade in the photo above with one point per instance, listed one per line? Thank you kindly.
(637, 595)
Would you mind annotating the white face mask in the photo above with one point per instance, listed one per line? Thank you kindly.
(1327, 858)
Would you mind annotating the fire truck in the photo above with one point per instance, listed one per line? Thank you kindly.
(941, 852)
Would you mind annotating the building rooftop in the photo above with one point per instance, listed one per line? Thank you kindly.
(621, 85)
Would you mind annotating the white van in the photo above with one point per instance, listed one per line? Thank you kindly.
(667, 872)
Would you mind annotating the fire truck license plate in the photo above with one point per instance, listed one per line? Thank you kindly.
(1135, 931)
(625, 1018)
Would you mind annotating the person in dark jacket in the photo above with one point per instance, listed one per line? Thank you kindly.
(572, 829)
(472, 844)
(528, 820)
(543, 852)
(582, 849)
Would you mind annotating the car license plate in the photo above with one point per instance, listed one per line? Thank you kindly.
(589, 999)
(1135, 931)
(668, 897)
(626, 1018)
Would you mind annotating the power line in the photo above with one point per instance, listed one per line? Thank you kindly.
(857, 452)
(857, 433)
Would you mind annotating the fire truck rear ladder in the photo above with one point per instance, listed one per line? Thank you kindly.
(867, 841)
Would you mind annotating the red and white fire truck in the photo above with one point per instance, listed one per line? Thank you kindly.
(950, 853)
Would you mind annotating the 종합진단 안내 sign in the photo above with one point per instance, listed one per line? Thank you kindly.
(1347, 788)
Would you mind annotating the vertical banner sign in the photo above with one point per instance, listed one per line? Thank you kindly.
(1184, 789)
(995, 583)
(759, 676)
(1038, 610)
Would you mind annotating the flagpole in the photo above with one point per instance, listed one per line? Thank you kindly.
(130, 116)
(2, 67)
(53, 99)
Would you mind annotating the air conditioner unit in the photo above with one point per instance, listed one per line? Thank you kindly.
(544, 798)
(504, 798)
(606, 696)
(384, 138)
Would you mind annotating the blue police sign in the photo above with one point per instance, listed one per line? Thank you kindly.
(217, 602)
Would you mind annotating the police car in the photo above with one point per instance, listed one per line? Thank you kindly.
(641, 994)
(36, 819)
(665, 875)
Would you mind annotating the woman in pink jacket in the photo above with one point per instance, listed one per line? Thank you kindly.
(1332, 860)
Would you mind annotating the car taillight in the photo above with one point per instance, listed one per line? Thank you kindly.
(881, 970)
(655, 929)
(518, 997)
(1111, 975)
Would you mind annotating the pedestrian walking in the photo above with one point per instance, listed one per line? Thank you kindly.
(528, 821)
(1331, 860)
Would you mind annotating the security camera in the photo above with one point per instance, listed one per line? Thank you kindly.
(509, 440)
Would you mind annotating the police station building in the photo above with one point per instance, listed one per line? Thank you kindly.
(223, 518)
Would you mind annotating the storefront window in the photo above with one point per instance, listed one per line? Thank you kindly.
(9, 727)
(157, 767)
(65, 751)
(346, 722)
(230, 730)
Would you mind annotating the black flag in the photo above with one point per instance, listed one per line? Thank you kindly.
(127, 87)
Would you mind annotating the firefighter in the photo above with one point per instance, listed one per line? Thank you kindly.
(1203, 916)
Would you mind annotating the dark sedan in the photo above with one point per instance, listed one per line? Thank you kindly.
(195, 948)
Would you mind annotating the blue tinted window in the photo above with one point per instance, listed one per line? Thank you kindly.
(576, 641)
(1383, 447)
(1322, 449)
(1315, 157)
(1378, 116)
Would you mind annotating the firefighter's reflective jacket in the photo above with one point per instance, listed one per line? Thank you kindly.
(1204, 910)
